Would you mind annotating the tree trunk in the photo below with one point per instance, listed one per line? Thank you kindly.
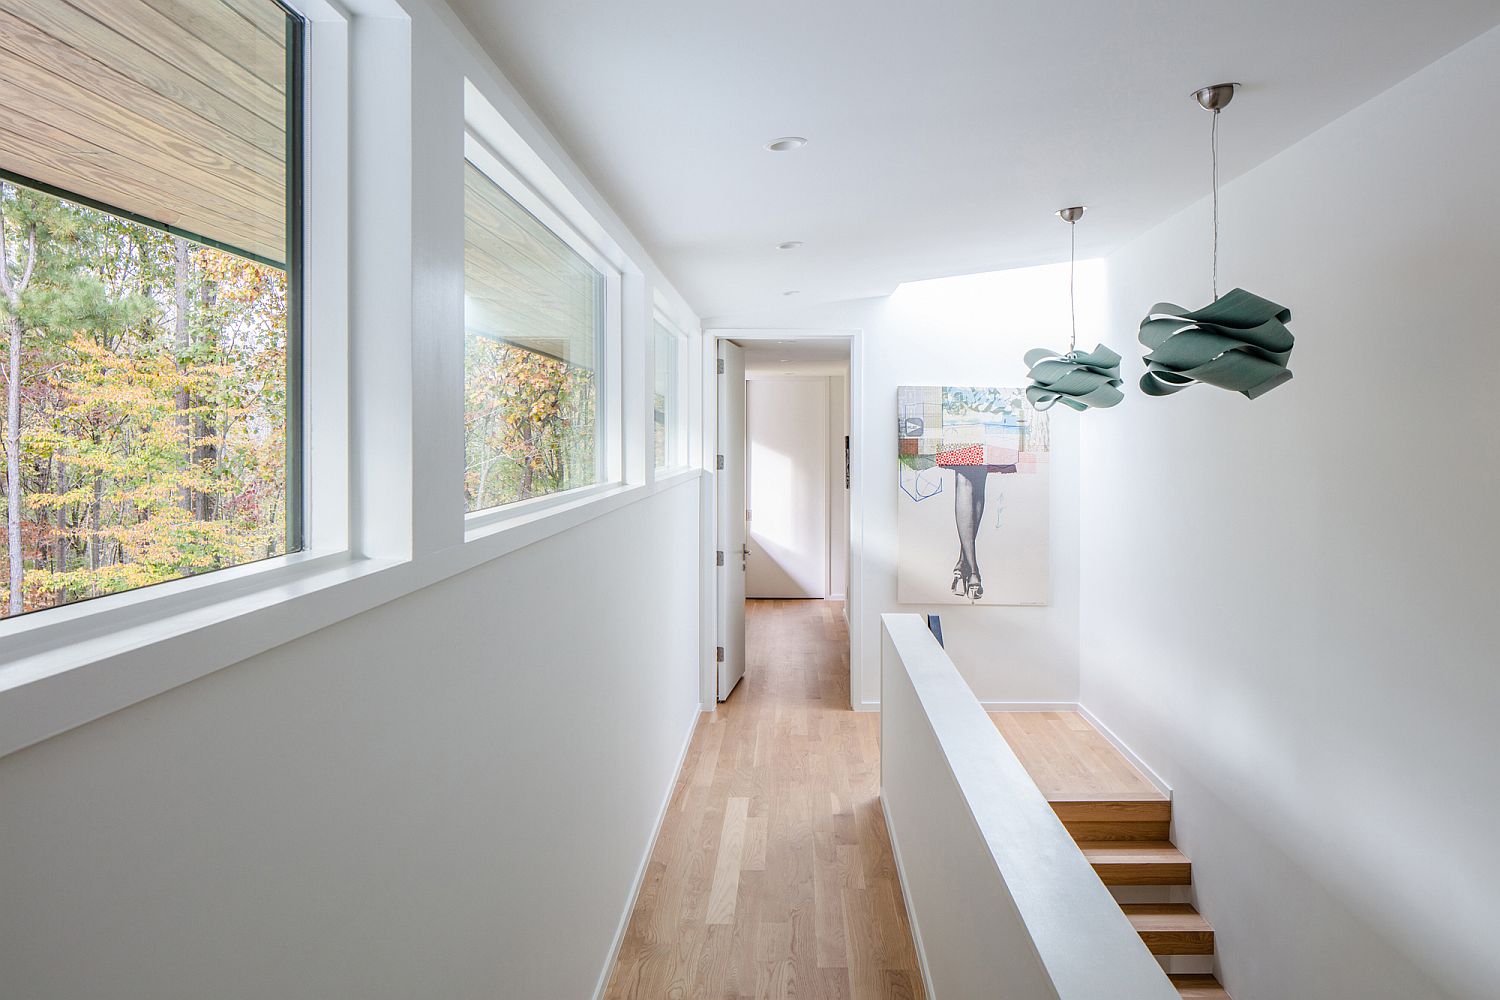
(96, 558)
(12, 286)
(60, 546)
(527, 475)
(13, 469)
(183, 343)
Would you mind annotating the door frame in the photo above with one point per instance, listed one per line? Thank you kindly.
(854, 598)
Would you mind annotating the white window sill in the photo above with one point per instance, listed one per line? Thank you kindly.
(493, 533)
(62, 668)
(48, 687)
(666, 479)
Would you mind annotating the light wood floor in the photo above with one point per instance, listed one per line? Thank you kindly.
(1070, 759)
(773, 876)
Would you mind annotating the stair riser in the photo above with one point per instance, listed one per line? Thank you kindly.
(1179, 942)
(1145, 874)
(1116, 830)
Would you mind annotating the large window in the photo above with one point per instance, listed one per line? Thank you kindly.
(148, 294)
(536, 307)
(668, 424)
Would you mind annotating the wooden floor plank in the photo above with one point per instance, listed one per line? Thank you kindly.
(773, 876)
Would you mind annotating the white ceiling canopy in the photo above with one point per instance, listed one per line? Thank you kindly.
(941, 135)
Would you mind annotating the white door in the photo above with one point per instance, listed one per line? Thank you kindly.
(786, 474)
(730, 481)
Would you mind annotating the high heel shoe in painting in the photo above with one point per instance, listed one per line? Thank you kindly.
(975, 590)
(960, 578)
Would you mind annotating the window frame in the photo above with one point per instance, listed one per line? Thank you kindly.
(677, 450)
(47, 643)
(384, 526)
(610, 431)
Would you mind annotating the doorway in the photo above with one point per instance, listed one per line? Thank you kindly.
(782, 482)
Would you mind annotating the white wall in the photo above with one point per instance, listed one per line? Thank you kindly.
(447, 796)
(836, 376)
(1288, 604)
(786, 486)
(450, 795)
(969, 330)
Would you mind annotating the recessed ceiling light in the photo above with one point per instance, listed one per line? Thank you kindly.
(786, 144)
(790, 245)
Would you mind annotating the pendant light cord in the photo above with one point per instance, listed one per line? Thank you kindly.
(1214, 144)
(1072, 301)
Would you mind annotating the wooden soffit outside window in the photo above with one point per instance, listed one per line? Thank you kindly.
(174, 112)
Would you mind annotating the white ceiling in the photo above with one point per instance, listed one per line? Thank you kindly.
(800, 356)
(942, 134)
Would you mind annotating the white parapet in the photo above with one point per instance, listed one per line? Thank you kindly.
(1002, 902)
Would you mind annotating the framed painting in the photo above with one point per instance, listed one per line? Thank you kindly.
(973, 514)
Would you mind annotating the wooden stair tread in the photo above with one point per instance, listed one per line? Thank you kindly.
(1171, 928)
(1199, 987)
(1147, 862)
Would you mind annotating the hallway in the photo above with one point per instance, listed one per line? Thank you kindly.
(773, 875)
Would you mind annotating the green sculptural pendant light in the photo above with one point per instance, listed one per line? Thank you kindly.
(1239, 342)
(1077, 379)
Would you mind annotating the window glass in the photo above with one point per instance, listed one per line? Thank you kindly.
(534, 322)
(667, 396)
(147, 295)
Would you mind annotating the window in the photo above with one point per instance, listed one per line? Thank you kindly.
(537, 302)
(149, 300)
(668, 429)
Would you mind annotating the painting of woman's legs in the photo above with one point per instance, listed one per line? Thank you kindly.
(968, 514)
(954, 438)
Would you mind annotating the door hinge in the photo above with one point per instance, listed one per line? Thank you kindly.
(719, 557)
(721, 366)
(719, 462)
(718, 654)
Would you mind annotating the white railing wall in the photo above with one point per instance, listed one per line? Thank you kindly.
(1003, 904)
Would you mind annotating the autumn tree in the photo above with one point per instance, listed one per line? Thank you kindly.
(145, 436)
(529, 423)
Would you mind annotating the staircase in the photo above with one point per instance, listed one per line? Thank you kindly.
(1122, 823)
(1127, 843)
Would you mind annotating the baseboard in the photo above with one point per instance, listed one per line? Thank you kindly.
(867, 706)
(1128, 753)
(640, 872)
(911, 914)
(1029, 706)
